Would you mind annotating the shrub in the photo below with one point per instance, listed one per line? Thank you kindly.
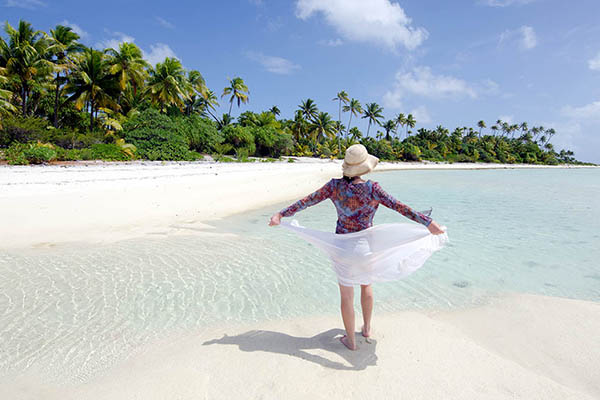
(14, 154)
(23, 130)
(271, 142)
(38, 154)
(241, 154)
(384, 150)
(155, 136)
(463, 158)
(222, 158)
(530, 158)
(201, 133)
(73, 139)
(410, 152)
(194, 156)
(433, 155)
(240, 137)
(109, 152)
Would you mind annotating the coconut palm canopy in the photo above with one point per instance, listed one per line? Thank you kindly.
(52, 79)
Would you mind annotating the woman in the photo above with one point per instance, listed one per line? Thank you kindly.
(356, 202)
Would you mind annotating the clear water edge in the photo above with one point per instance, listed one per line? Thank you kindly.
(75, 310)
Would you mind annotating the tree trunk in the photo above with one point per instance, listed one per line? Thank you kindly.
(340, 129)
(91, 116)
(230, 105)
(56, 101)
(24, 101)
(349, 122)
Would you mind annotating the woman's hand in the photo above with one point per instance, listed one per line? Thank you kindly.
(275, 219)
(434, 228)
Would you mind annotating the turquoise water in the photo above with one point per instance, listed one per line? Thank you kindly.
(70, 312)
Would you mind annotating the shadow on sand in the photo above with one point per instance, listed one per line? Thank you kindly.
(281, 343)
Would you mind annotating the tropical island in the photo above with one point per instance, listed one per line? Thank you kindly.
(63, 101)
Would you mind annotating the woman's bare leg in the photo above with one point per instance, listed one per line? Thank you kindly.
(347, 306)
(366, 302)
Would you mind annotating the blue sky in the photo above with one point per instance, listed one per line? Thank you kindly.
(450, 63)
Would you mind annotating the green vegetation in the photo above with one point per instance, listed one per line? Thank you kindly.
(62, 101)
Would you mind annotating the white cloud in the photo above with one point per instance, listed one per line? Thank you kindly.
(28, 4)
(421, 115)
(588, 112)
(331, 42)
(382, 22)
(528, 38)
(76, 28)
(158, 52)
(594, 63)
(276, 65)
(505, 3)
(422, 82)
(164, 23)
(525, 36)
(115, 41)
(490, 87)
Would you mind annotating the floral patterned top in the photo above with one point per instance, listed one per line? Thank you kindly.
(355, 203)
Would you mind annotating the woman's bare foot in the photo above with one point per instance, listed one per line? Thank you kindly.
(366, 332)
(346, 342)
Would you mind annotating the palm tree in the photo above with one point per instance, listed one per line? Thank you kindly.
(341, 97)
(64, 43)
(524, 128)
(25, 58)
(128, 64)
(355, 134)
(196, 90)
(505, 128)
(91, 85)
(238, 91)
(400, 120)
(207, 102)
(389, 126)
(410, 122)
(494, 128)
(355, 109)
(167, 84)
(513, 129)
(5, 95)
(298, 125)
(373, 114)
(227, 120)
(309, 109)
(481, 125)
(275, 111)
(551, 132)
(322, 126)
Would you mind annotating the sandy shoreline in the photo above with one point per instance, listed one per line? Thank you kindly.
(517, 347)
(42, 206)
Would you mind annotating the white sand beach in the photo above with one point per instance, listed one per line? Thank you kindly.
(516, 347)
(519, 346)
(100, 202)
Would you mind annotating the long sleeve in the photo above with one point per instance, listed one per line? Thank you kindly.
(310, 200)
(390, 202)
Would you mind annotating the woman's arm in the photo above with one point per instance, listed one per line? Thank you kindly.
(316, 197)
(390, 202)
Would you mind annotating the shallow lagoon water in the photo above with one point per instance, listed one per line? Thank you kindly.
(70, 312)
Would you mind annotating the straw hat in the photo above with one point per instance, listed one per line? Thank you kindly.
(358, 161)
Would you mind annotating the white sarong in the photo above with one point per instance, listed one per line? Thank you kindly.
(381, 253)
